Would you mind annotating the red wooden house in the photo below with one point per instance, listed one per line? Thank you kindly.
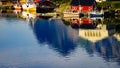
(37, 1)
(82, 5)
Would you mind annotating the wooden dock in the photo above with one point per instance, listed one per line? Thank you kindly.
(70, 14)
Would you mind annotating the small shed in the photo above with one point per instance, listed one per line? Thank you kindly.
(82, 5)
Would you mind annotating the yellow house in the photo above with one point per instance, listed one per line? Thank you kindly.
(7, 4)
(22, 1)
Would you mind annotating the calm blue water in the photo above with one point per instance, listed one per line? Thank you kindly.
(52, 44)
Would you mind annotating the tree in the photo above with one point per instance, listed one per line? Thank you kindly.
(61, 1)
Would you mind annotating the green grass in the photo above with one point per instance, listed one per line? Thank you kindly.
(110, 5)
(112, 21)
(115, 4)
(6, 7)
(63, 7)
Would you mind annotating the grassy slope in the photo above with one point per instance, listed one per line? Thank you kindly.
(112, 4)
(63, 7)
(115, 4)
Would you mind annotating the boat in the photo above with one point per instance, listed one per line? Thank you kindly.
(29, 6)
(46, 15)
(17, 7)
(28, 15)
(17, 12)
(96, 14)
(70, 14)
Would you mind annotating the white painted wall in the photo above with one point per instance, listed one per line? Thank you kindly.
(101, 0)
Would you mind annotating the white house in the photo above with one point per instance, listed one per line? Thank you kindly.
(101, 1)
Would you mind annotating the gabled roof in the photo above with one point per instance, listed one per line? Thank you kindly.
(82, 2)
(47, 3)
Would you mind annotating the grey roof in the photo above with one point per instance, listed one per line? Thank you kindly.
(82, 2)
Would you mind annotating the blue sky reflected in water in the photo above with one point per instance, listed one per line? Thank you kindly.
(51, 44)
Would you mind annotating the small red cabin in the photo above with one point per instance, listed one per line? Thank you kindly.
(82, 5)
(37, 1)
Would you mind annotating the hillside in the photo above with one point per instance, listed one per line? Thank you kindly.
(62, 5)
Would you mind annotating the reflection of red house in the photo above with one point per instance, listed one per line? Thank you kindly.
(82, 5)
(82, 21)
(86, 21)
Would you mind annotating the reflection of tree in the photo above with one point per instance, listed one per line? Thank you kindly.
(107, 47)
(118, 29)
(61, 1)
(84, 43)
(8, 14)
(66, 22)
(59, 38)
(111, 21)
(56, 35)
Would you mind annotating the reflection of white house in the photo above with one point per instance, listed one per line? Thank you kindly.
(95, 35)
(101, 0)
(17, 12)
(28, 16)
(117, 36)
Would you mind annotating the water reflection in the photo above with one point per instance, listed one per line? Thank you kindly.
(86, 23)
(101, 38)
(73, 38)
(97, 34)
(46, 31)
(59, 38)
(98, 38)
(102, 41)
(9, 13)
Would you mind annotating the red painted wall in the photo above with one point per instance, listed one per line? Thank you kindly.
(86, 8)
(81, 8)
(83, 21)
(86, 21)
(37, 1)
(74, 8)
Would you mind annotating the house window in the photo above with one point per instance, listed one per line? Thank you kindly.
(74, 9)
